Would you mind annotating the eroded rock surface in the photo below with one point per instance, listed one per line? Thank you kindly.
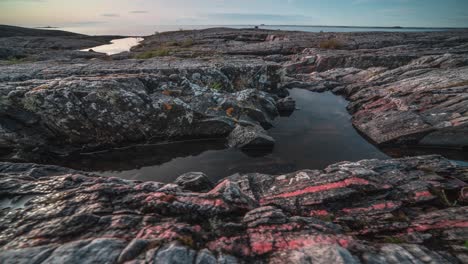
(408, 210)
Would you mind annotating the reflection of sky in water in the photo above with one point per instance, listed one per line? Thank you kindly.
(116, 46)
(461, 163)
(318, 134)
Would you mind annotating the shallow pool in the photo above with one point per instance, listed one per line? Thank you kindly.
(317, 134)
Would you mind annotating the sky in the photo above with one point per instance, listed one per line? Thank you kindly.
(120, 13)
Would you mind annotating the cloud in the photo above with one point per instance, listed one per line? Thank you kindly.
(138, 12)
(242, 17)
(110, 15)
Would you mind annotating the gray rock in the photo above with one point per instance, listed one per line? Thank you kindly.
(33, 255)
(248, 137)
(174, 254)
(194, 181)
(101, 250)
(205, 257)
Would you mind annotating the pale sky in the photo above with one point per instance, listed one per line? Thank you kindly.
(121, 13)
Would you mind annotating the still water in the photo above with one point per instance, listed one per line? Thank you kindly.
(116, 46)
(317, 134)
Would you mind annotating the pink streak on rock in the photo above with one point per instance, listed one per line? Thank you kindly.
(440, 225)
(318, 213)
(321, 188)
(375, 207)
(423, 194)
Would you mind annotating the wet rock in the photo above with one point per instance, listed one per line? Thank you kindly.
(194, 181)
(250, 137)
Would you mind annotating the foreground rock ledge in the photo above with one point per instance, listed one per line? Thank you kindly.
(411, 210)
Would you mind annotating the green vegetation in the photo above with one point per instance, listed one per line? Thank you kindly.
(466, 244)
(172, 43)
(160, 52)
(216, 86)
(15, 60)
(187, 43)
(331, 44)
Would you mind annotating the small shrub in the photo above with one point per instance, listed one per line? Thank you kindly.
(161, 52)
(187, 43)
(331, 44)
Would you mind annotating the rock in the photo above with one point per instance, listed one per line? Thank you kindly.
(194, 181)
(128, 107)
(376, 211)
(205, 257)
(34, 255)
(101, 250)
(317, 254)
(132, 250)
(175, 254)
(250, 137)
(286, 106)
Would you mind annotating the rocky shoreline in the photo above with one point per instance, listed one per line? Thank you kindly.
(404, 89)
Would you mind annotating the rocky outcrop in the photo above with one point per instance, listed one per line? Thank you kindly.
(60, 115)
(407, 210)
(414, 93)
(423, 102)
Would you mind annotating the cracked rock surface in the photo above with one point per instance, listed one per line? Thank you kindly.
(404, 210)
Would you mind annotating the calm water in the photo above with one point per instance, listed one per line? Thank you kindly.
(149, 30)
(318, 134)
(116, 46)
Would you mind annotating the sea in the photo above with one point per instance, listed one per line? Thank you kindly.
(149, 30)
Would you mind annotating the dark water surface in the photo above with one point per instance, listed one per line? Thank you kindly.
(316, 135)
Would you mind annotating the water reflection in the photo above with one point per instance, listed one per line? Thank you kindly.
(318, 134)
(116, 46)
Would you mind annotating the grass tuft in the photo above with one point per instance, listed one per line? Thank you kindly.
(161, 52)
(331, 44)
(187, 43)
(216, 86)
